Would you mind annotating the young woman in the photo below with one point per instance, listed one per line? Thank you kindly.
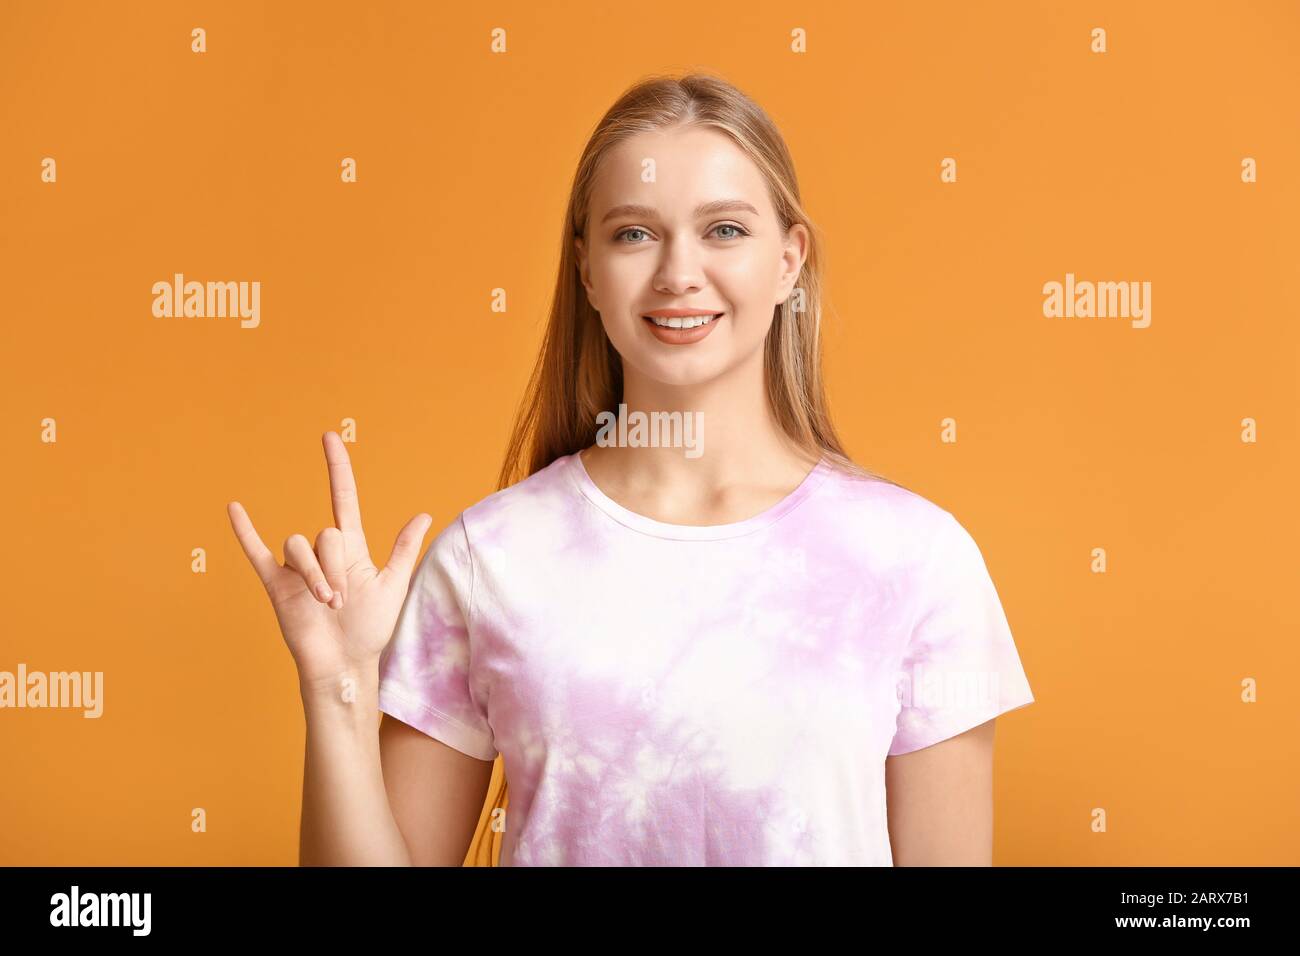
(739, 650)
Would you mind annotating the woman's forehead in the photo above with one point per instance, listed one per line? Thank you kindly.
(678, 178)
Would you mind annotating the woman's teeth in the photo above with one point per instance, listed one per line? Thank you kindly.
(687, 322)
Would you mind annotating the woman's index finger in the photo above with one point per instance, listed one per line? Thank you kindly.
(343, 487)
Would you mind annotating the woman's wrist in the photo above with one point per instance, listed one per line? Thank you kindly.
(357, 684)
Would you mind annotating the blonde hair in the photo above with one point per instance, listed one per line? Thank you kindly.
(579, 374)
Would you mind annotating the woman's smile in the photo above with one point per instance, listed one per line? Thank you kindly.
(682, 329)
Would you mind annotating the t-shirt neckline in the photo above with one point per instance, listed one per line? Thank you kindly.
(686, 532)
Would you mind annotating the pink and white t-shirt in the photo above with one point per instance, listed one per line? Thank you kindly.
(693, 696)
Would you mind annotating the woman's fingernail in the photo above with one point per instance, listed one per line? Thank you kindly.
(323, 592)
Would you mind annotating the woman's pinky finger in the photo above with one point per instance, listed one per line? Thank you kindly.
(299, 556)
(258, 554)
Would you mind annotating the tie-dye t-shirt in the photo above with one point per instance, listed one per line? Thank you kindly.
(674, 695)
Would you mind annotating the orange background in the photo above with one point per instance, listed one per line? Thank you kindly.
(1073, 433)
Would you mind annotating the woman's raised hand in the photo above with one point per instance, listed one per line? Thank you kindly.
(336, 610)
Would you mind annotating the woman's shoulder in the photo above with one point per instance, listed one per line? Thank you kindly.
(886, 517)
(549, 490)
(880, 496)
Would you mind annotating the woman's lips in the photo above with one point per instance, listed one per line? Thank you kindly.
(682, 336)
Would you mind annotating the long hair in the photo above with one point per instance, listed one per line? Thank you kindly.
(579, 374)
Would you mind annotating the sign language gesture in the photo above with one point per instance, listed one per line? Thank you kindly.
(336, 610)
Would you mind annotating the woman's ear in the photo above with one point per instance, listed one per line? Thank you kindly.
(583, 274)
(793, 255)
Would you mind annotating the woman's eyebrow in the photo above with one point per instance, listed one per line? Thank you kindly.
(704, 209)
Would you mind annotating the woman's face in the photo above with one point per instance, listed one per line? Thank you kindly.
(704, 237)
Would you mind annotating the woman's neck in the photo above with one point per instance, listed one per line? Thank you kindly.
(740, 464)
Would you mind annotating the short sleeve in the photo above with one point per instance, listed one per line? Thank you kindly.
(426, 676)
(960, 667)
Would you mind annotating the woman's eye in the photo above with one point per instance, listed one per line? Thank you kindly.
(621, 236)
(728, 225)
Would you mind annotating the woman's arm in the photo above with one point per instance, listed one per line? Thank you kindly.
(346, 816)
(380, 793)
(337, 611)
(941, 801)
(435, 791)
